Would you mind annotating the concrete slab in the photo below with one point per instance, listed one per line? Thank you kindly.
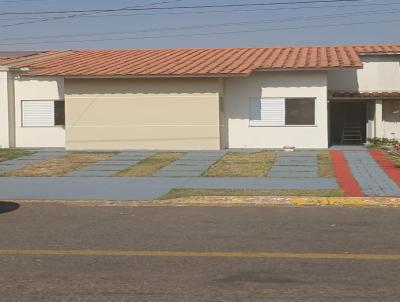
(185, 168)
(83, 173)
(289, 163)
(297, 154)
(302, 164)
(102, 168)
(369, 175)
(294, 168)
(293, 174)
(192, 164)
(21, 162)
(298, 158)
(111, 165)
(117, 163)
(138, 188)
(170, 173)
(260, 183)
(189, 166)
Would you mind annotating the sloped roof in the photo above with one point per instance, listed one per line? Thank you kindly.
(198, 61)
(365, 94)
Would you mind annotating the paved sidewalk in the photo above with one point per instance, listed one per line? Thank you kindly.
(112, 165)
(295, 165)
(139, 188)
(191, 165)
(21, 162)
(369, 175)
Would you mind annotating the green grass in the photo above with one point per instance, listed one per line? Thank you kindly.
(149, 166)
(325, 166)
(179, 193)
(8, 154)
(242, 164)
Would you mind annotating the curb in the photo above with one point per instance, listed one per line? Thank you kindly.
(244, 201)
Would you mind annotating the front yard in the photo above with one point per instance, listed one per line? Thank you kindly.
(61, 165)
(242, 164)
(9, 154)
(151, 165)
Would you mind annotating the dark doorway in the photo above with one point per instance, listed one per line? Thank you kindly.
(348, 122)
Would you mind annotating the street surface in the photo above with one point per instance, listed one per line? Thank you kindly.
(99, 253)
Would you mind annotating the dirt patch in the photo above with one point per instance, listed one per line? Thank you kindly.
(325, 165)
(61, 165)
(151, 165)
(242, 164)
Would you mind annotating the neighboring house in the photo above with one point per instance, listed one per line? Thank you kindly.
(307, 97)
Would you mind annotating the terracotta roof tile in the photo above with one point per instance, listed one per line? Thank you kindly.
(197, 62)
(358, 94)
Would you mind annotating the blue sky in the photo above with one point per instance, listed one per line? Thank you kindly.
(271, 25)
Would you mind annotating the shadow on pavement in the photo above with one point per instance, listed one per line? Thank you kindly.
(7, 206)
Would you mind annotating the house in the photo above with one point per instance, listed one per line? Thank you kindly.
(307, 97)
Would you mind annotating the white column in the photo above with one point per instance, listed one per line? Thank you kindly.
(378, 118)
(4, 122)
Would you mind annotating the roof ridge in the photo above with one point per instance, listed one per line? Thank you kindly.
(33, 58)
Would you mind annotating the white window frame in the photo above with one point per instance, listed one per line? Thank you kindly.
(263, 123)
(53, 125)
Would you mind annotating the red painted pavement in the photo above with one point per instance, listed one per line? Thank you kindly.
(387, 165)
(344, 176)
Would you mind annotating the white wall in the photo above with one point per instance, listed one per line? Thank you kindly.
(4, 128)
(238, 91)
(379, 73)
(391, 119)
(38, 89)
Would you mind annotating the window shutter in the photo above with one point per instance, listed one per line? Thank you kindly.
(38, 113)
(267, 112)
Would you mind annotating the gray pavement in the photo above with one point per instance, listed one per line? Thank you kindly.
(139, 188)
(297, 164)
(39, 278)
(24, 161)
(193, 164)
(112, 165)
(369, 175)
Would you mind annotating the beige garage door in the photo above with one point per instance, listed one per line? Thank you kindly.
(142, 114)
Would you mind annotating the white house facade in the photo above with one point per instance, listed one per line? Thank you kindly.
(45, 104)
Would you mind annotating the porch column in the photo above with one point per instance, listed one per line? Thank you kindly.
(378, 118)
(4, 122)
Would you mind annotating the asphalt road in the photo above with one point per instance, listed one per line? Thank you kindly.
(254, 253)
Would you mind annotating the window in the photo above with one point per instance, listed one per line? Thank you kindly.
(43, 113)
(282, 112)
(300, 112)
(59, 113)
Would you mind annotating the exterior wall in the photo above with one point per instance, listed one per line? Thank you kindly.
(37, 89)
(275, 84)
(391, 119)
(142, 114)
(380, 73)
(4, 110)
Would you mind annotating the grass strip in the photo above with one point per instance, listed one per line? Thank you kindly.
(179, 193)
(325, 166)
(151, 165)
(9, 154)
(61, 165)
(242, 164)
